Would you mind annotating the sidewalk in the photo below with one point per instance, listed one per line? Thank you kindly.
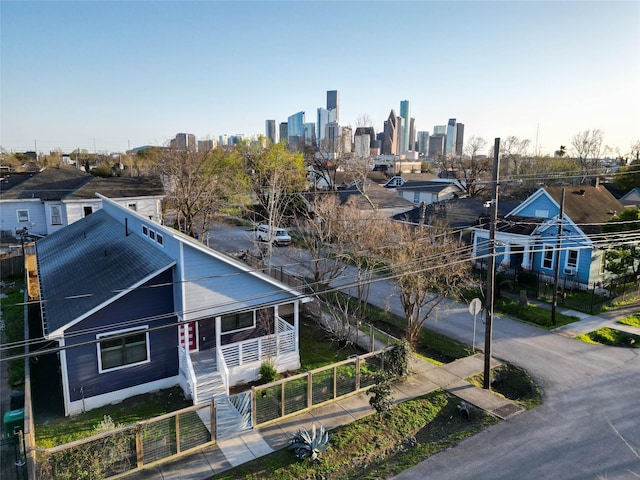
(425, 378)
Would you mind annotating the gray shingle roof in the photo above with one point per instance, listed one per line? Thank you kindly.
(49, 184)
(91, 260)
(66, 182)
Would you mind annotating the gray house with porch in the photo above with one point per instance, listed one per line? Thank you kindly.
(136, 307)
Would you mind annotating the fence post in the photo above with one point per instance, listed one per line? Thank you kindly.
(335, 382)
(139, 449)
(214, 424)
(372, 338)
(357, 373)
(282, 398)
(253, 407)
(177, 433)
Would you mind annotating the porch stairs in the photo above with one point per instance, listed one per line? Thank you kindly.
(210, 386)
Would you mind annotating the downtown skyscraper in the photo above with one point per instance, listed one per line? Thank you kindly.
(404, 133)
(333, 103)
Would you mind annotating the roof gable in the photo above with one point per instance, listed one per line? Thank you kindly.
(89, 263)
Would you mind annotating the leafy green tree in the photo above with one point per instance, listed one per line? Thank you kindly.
(629, 177)
(623, 255)
(276, 176)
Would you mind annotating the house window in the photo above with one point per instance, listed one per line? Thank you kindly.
(547, 257)
(56, 215)
(122, 349)
(152, 234)
(572, 258)
(23, 215)
(542, 214)
(132, 206)
(416, 197)
(145, 231)
(87, 210)
(237, 321)
(159, 239)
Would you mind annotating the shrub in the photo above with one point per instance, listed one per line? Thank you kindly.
(381, 395)
(396, 360)
(268, 372)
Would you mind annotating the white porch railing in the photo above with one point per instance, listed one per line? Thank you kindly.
(258, 349)
(187, 374)
(223, 369)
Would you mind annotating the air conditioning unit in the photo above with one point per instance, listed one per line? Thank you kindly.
(569, 270)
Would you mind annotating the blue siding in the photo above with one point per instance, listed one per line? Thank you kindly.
(542, 203)
(82, 362)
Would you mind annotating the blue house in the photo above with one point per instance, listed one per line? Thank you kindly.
(527, 237)
(137, 307)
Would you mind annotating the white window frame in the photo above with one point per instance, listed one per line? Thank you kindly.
(548, 248)
(226, 332)
(18, 215)
(84, 210)
(145, 230)
(160, 239)
(59, 215)
(572, 264)
(541, 214)
(116, 333)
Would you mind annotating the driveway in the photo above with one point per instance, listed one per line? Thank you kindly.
(588, 425)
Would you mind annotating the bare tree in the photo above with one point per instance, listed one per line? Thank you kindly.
(318, 230)
(587, 147)
(469, 169)
(514, 152)
(428, 266)
(201, 184)
(359, 238)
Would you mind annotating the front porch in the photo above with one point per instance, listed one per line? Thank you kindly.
(208, 373)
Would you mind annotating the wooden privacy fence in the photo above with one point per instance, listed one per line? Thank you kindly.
(119, 452)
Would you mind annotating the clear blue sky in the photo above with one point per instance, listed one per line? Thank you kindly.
(113, 74)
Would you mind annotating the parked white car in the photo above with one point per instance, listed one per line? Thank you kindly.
(279, 235)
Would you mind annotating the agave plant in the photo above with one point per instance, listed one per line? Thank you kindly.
(307, 445)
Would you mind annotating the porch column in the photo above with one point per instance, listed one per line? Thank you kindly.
(296, 312)
(218, 330)
(526, 257)
(506, 259)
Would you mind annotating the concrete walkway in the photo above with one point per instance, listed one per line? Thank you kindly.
(425, 378)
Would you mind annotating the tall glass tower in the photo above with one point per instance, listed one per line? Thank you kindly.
(295, 127)
(405, 113)
(333, 103)
(450, 142)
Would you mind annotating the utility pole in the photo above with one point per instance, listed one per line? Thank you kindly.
(491, 269)
(556, 267)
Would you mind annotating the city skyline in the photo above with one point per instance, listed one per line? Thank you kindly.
(107, 76)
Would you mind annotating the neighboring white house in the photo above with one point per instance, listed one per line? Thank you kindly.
(45, 201)
(426, 192)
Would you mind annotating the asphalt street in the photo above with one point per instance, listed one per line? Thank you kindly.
(588, 425)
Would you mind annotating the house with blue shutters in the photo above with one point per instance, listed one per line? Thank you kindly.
(527, 237)
(135, 307)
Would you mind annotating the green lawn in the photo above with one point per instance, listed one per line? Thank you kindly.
(533, 314)
(611, 337)
(375, 448)
(631, 320)
(13, 318)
